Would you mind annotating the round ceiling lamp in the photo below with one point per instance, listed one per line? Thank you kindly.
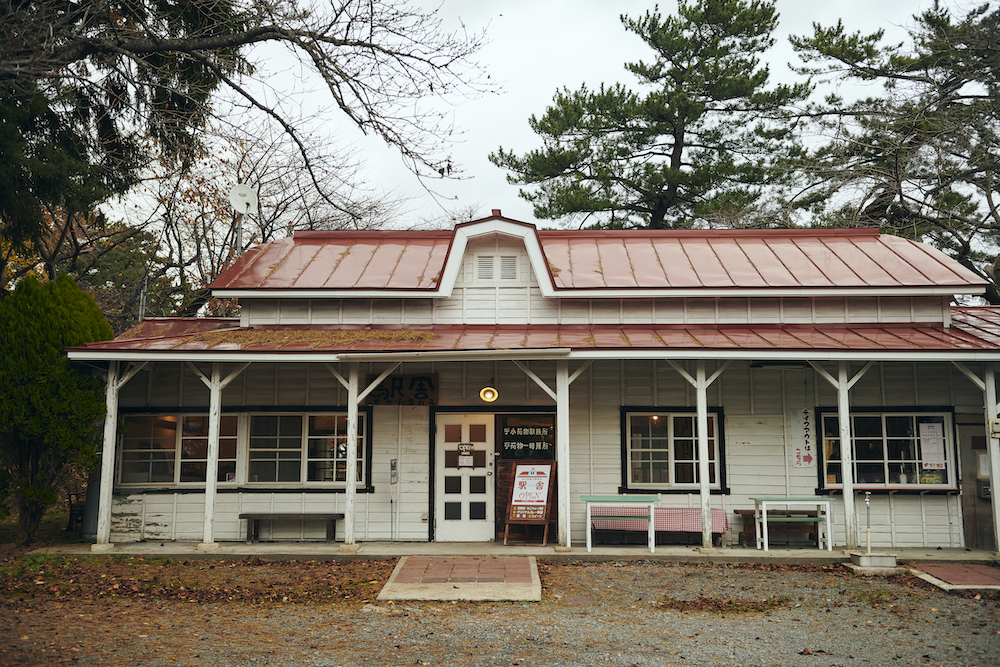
(489, 394)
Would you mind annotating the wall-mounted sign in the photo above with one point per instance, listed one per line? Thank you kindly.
(527, 437)
(406, 390)
(804, 452)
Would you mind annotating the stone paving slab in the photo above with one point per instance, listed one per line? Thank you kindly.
(959, 576)
(446, 578)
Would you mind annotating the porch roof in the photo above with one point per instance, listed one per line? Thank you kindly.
(607, 263)
(974, 335)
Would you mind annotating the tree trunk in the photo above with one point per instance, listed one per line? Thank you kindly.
(29, 518)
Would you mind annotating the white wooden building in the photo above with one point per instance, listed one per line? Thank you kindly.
(707, 366)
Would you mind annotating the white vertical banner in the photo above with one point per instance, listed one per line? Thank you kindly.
(803, 433)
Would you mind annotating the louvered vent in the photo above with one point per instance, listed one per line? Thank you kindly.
(508, 268)
(484, 267)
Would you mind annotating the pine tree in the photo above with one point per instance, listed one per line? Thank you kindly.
(697, 137)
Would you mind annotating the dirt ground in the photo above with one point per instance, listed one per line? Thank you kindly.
(119, 611)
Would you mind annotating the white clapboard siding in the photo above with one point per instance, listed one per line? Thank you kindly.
(763, 424)
(519, 301)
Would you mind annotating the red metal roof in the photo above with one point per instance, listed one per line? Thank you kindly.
(973, 329)
(341, 260)
(156, 327)
(608, 260)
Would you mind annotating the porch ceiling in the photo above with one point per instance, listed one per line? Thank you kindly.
(974, 334)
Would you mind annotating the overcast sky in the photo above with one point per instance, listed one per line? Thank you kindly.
(539, 46)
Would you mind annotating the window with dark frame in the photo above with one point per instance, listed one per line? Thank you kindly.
(279, 444)
(173, 449)
(662, 450)
(891, 450)
(166, 450)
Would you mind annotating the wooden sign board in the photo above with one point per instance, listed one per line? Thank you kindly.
(406, 390)
(530, 496)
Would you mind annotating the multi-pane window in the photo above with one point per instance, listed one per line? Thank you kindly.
(892, 450)
(662, 450)
(173, 449)
(293, 448)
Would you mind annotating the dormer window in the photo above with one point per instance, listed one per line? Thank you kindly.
(496, 267)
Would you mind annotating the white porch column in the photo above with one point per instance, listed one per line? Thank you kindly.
(846, 455)
(704, 480)
(108, 462)
(562, 451)
(843, 386)
(212, 467)
(352, 453)
(993, 451)
(215, 386)
(109, 449)
(354, 398)
(561, 396)
(701, 385)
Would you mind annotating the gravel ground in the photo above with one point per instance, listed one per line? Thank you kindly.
(620, 614)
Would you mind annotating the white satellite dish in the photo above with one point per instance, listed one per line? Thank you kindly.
(243, 198)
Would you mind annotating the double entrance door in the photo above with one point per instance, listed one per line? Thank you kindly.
(465, 485)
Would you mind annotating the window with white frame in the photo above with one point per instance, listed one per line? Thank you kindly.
(662, 450)
(292, 448)
(173, 449)
(892, 450)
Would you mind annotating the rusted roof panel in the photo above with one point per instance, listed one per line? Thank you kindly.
(156, 327)
(973, 329)
(771, 271)
(342, 260)
(585, 265)
(611, 259)
(737, 265)
(648, 269)
(320, 264)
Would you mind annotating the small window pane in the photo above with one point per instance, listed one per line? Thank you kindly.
(477, 511)
(899, 427)
(477, 485)
(453, 511)
(452, 484)
(867, 427)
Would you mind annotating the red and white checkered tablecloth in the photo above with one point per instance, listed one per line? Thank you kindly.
(673, 519)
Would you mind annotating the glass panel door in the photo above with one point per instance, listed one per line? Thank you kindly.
(465, 485)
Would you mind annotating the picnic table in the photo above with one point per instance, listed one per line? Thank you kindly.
(823, 518)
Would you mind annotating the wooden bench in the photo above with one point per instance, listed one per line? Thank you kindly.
(780, 521)
(253, 520)
(75, 507)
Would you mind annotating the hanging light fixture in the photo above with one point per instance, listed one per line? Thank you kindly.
(489, 394)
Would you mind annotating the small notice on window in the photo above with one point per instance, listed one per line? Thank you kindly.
(932, 446)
